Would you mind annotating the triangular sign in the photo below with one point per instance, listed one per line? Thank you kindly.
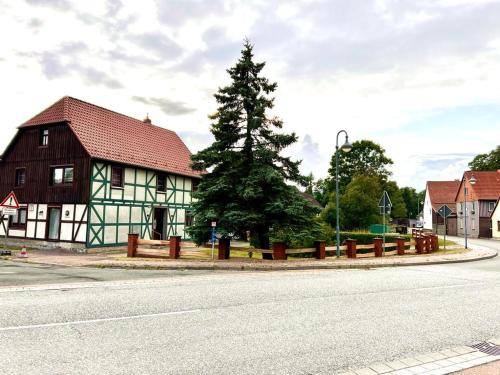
(10, 201)
(385, 201)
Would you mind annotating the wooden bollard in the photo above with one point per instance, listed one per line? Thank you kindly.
(377, 246)
(428, 244)
(132, 244)
(320, 249)
(279, 251)
(351, 248)
(419, 245)
(175, 247)
(436, 242)
(224, 248)
(400, 245)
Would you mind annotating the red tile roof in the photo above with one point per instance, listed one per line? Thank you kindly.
(487, 186)
(115, 137)
(443, 192)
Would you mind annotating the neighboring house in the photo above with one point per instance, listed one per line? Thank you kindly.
(495, 221)
(85, 174)
(437, 194)
(482, 197)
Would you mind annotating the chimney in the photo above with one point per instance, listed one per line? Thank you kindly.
(147, 120)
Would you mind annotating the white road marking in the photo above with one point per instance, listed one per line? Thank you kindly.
(90, 321)
(5, 273)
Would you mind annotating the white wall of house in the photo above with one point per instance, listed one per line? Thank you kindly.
(495, 222)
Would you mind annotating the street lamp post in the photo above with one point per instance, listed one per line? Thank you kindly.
(472, 181)
(346, 147)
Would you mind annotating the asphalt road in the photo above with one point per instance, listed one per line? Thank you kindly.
(288, 322)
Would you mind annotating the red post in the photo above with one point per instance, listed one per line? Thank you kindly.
(436, 242)
(400, 242)
(132, 244)
(377, 246)
(175, 247)
(224, 248)
(428, 243)
(320, 249)
(351, 248)
(279, 251)
(419, 245)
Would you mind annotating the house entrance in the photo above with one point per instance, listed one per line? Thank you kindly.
(159, 222)
(54, 226)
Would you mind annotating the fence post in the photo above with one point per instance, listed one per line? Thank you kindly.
(320, 249)
(436, 242)
(428, 244)
(224, 248)
(132, 244)
(419, 244)
(279, 251)
(175, 247)
(400, 242)
(377, 246)
(351, 248)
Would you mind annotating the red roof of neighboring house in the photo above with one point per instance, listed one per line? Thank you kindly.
(443, 192)
(115, 137)
(487, 186)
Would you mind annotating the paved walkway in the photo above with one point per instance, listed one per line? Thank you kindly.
(450, 361)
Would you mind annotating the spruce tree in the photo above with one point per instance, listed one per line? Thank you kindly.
(246, 181)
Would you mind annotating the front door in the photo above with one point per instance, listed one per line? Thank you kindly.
(158, 224)
(54, 223)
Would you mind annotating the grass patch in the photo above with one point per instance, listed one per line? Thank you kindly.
(448, 242)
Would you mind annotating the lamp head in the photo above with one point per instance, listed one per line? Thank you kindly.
(346, 147)
(472, 180)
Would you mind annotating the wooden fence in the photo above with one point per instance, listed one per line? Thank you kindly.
(422, 243)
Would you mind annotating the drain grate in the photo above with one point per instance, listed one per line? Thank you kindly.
(487, 347)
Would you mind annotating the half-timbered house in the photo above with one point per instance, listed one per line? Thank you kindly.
(85, 174)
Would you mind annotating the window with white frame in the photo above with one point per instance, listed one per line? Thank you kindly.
(491, 206)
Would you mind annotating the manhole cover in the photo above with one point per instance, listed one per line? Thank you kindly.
(487, 347)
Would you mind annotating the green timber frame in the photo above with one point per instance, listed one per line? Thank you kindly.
(114, 212)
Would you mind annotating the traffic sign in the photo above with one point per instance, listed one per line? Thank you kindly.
(445, 211)
(214, 224)
(10, 201)
(9, 211)
(385, 203)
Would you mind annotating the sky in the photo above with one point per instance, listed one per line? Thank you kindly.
(419, 77)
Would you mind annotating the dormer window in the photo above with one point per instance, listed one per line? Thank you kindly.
(44, 137)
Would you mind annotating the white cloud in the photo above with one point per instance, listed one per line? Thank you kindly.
(378, 69)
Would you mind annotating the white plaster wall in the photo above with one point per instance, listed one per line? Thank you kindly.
(110, 234)
(178, 197)
(17, 233)
(42, 212)
(95, 186)
(32, 211)
(66, 232)
(111, 215)
(30, 229)
(136, 214)
(495, 219)
(79, 210)
(123, 233)
(181, 216)
(124, 215)
(187, 197)
(93, 217)
(6, 223)
(40, 230)
(129, 175)
(140, 193)
(116, 193)
(128, 193)
(141, 177)
(70, 209)
(82, 233)
(187, 184)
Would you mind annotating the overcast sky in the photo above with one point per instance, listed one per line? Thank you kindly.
(420, 77)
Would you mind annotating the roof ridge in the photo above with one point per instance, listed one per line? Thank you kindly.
(118, 113)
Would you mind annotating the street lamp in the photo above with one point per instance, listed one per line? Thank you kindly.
(472, 181)
(346, 147)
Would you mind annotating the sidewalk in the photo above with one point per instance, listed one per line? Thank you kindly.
(477, 359)
(119, 260)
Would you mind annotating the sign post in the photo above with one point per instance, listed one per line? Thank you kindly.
(9, 207)
(385, 206)
(214, 225)
(444, 211)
